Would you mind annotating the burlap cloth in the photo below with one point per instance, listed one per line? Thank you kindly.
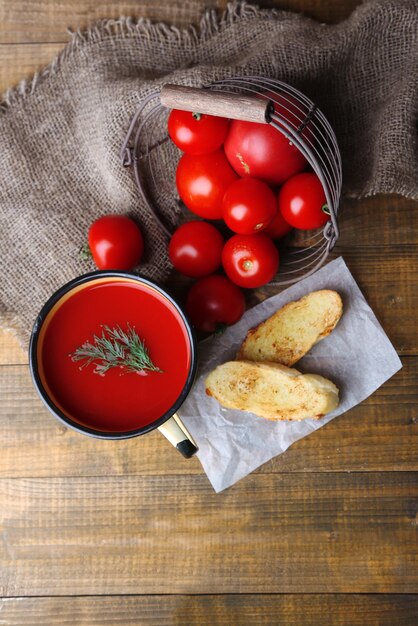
(61, 132)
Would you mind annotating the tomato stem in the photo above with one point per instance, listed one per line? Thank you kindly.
(247, 265)
(85, 252)
(325, 209)
(197, 116)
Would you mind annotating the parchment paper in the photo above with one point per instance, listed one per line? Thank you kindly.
(357, 356)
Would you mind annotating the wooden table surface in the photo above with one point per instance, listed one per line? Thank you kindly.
(129, 533)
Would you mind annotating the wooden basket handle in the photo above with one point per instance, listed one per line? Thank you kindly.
(235, 106)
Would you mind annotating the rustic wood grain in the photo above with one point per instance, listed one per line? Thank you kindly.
(289, 533)
(118, 527)
(11, 352)
(21, 61)
(378, 221)
(47, 21)
(210, 610)
(231, 105)
(380, 434)
(388, 278)
(32, 33)
(321, 10)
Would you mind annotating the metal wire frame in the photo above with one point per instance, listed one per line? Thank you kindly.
(297, 118)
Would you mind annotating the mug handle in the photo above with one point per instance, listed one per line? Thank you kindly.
(177, 434)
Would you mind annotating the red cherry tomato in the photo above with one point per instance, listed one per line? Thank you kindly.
(250, 260)
(294, 112)
(278, 227)
(202, 181)
(261, 151)
(302, 202)
(115, 242)
(214, 301)
(195, 249)
(197, 133)
(248, 206)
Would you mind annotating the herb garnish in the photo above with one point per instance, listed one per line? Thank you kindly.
(115, 348)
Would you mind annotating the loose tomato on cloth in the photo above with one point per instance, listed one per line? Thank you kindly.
(302, 202)
(202, 181)
(250, 260)
(115, 242)
(248, 206)
(214, 301)
(278, 227)
(195, 249)
(197, 133)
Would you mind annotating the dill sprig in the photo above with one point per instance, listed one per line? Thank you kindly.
(115, 348)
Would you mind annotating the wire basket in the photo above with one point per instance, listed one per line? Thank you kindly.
(153, 157)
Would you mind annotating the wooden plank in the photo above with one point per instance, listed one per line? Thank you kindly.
(388, 278)
(380, 434)
(21, 61)
(330, 12)
(289, 533)
(380, 220)
(226, 610)
(34, 443)
(32, 33)
(377, 221)
(11, 352)
(47, 20)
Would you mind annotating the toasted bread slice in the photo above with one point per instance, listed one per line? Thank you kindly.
(292, 331)
(271, 390)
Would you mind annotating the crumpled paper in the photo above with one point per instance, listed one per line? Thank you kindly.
(357, 356)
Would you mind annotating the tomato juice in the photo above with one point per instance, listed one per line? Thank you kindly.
(118, 401)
